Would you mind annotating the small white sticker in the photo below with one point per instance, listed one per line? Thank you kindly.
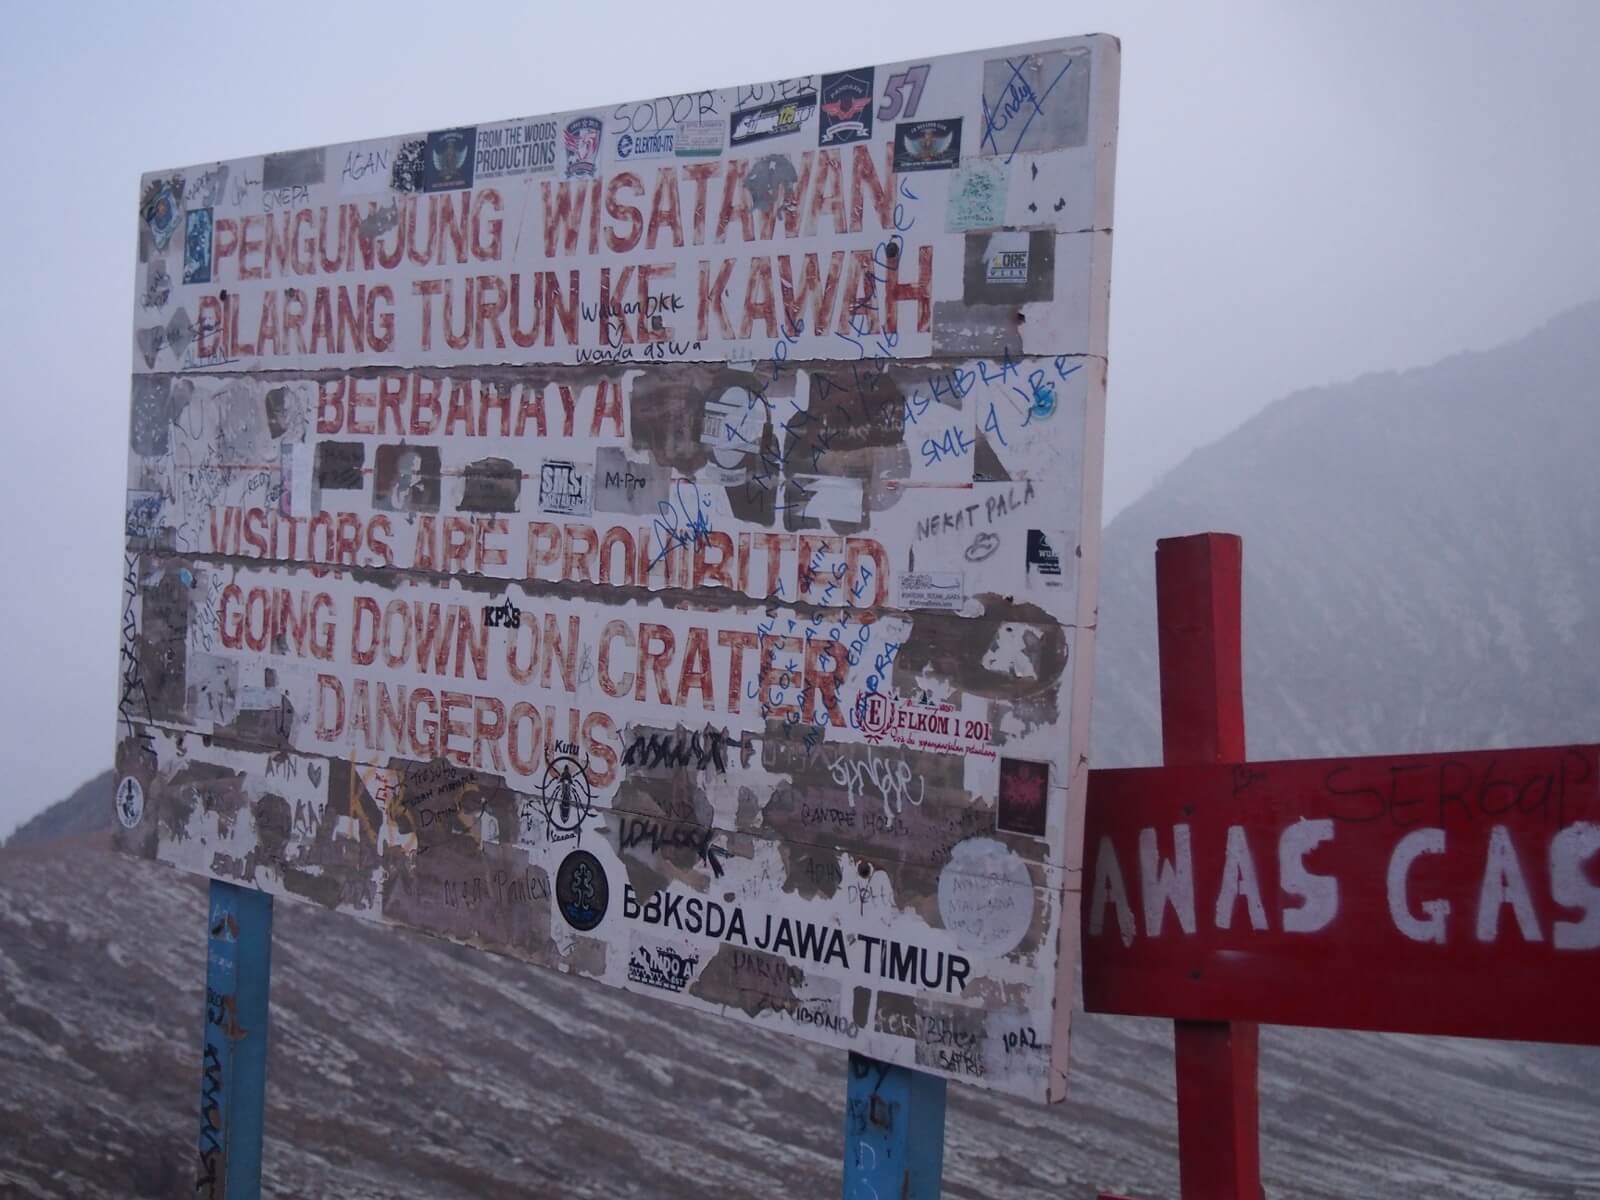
(828, 498)
(941, 590)
(130, 801)
(295, 463)
(1006, 259)
(699, 138)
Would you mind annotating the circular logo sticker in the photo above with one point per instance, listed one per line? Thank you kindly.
(581, 890)
(566, 797)
(986, 897)
(1044, 400)
(130, 801)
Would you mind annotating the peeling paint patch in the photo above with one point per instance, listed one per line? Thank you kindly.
(491, 485)
(292, 168)
(769, 178)
(964, 329)
(153, 414)
(339, 465)
(748, 979)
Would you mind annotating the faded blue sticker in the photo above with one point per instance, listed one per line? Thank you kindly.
(977, 196)
(197, 247)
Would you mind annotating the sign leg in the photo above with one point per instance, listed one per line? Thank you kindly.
(893, 1132)
(1198, 617)
(1219, 1141)
(233, 1074)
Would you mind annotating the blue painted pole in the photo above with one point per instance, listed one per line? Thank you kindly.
(893, 1132)
(233, 1076)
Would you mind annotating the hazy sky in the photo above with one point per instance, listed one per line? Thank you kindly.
(1304, 193)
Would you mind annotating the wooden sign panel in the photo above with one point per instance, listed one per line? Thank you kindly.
(657, 541)
(1454, 894)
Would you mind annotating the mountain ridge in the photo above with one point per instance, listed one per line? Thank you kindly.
(1503, 573)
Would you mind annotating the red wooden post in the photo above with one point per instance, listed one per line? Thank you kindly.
(1202, 721)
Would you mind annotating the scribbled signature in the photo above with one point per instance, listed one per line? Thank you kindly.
(1019, 100)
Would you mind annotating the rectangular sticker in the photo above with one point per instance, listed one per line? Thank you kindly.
(143, 513)
(1005, 261)
(658, 143)
(1024, 798)
(566, 488)
(1044, 560)
(449, 160)
(941, 590)
(941, 728)
(977, 196)
(772, 119)
(825, 498)
(927, 145)
(624, 486)
(514, 148)
(197, 246)
(295, 479)
(581, 140)
(698, 138)
(655, 963)
(846, 108)
(1035, 102)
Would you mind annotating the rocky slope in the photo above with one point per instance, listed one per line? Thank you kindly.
(1420, 573)
(403, 1066)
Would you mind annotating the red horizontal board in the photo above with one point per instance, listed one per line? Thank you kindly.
(1452, 894)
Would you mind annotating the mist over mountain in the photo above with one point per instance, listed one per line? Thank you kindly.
(1421, 560)
(1420, 573)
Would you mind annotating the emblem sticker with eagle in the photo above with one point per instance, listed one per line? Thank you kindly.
(846, 108)
(448, 161)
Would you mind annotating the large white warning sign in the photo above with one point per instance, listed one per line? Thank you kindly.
(657, 541)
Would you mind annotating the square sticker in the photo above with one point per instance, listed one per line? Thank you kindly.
(1024, 796)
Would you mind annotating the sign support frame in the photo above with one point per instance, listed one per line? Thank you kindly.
(233, 1075)
(1198, 610)
(893, 1132)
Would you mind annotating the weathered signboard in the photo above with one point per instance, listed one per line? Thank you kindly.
(1436, 893)
(657, 541)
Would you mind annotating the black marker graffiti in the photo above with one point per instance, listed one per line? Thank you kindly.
(684, 750)
(1025, 1038)
(637, 830)
(133, 705)
(502, 616)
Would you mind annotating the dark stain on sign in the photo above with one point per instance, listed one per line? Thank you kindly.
(491, 485)
(339, 465)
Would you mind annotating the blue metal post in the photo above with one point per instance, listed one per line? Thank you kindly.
(893, 1132)
(233, 1079)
